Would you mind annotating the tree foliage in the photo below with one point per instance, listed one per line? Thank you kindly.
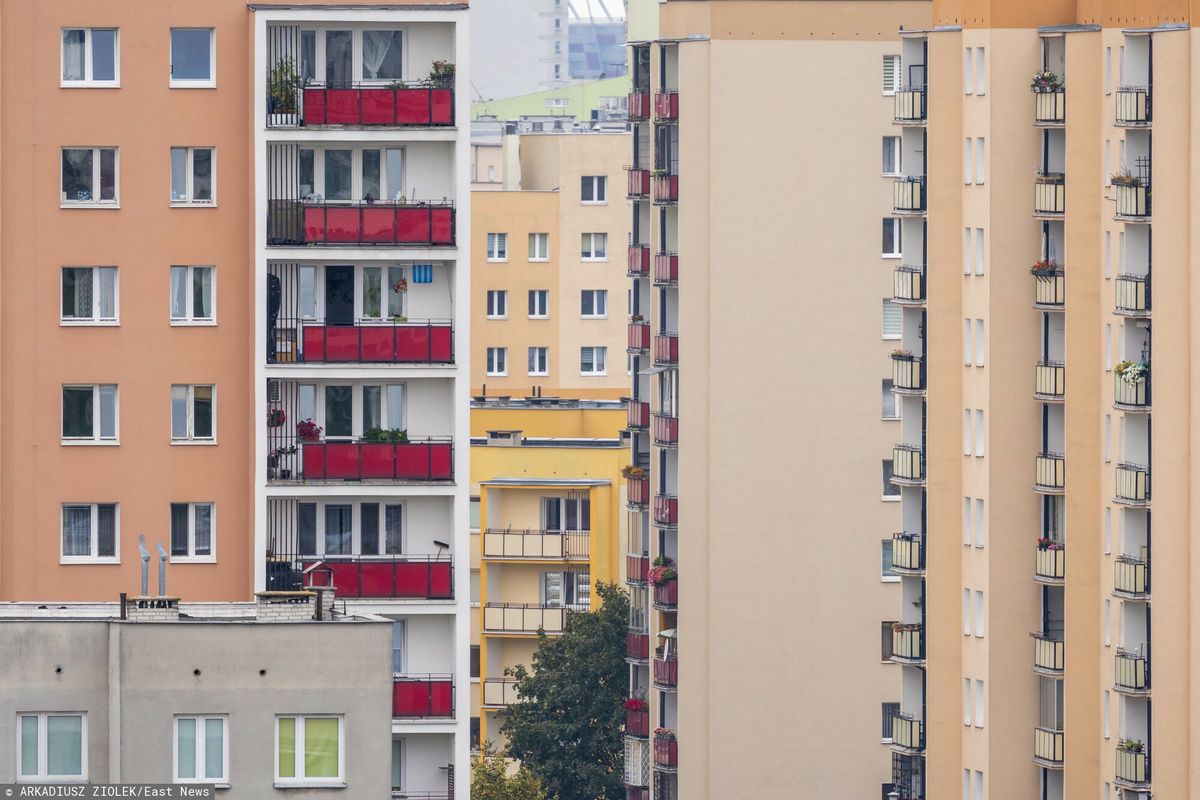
(567, 726)
(490, 779)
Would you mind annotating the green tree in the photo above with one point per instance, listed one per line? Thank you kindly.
(490, 779)
(567, 727)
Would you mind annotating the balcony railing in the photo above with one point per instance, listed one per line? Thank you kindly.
(295, 223)
(639, 182)
(909, 105)
(908, 285)
(536, 545)
(665, 188)
(908, 553)
(908, 733)
(1133, 295)
(1050, 194)
(1131, 577)
(637, 492)
(666, 673)
(637, 569)
(908, 195)
(388, 577)
(639, 261)
(638, 337)
(666, 509)
(666, 269)
(908, 643)
(1131, 672)
(1134, 105)
(420, 103)
(1048, 747)
(637, 414)
(1050, 564)
(423, 460)
(311, 341)
(908, 776)
(527, 618)
(666, 348)
(1132, 765)
(666, 752)
(637, 723)
(423, 696)
(1133, 200)
(1050, 108)
(1050, 290)
(666, 430)
(908, 373)
(1133, 396)
(639, 106)
(1133, 484)
(500, 692)
(666, 106)
(637, 646)
(1048, 654)
(908, 464)
(1051, 472)
(666, 595)
(1050, 380)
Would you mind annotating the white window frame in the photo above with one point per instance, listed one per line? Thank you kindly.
(191, 320)
(590, 254)
(897, 74)
(358, 424)
(540, 294)
(497, 304)
(356, 51)
(594, 348)
(356, 524)
(64, 202)
(201, 720)
(94, 557)
(88, 81)
(897, 311)
(887, 394)
(886, 545)
(191, 438)
(193, 83)
(599, 185)
(599, 299)
(895, 168)
(497, 247)
(539, 243)
(897, 237)
(192, 558)
(189, 200)
(980, 71)
(495, 355)
(96, 438)
(300, 780)
(95, 320)
(387, 192)
(544, 352)
(43, 754)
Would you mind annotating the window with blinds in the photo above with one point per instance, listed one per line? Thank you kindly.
(891, 319)
(891, 74)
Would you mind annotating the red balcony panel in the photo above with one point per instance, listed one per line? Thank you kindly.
(419, 461)
(666, 752)
(424, 343)
(417, 579)
(666, 429)
(637, 568)
(666, 105)
(416, 343)
(637, 793)
(637, 723)
(666, 348)
(638, 413)
(666, 187)
(666, 267)
(639, 105)
(666, 672)
(667, 594)
(639, 336)
(378, 343)
(314, 106)
(400, 576)
(378, 106)
(312, 457)
(378, 224)
(430, 697)
(638, 490)
(314, 223)
(342, 460)
(423, 461)
(341, 106)
(638, 260)
(342, 224)
(441, 226)
(666, 509)
(637, 645)
(441, 103)
(378, 460)
(413, 225)
(639, 182)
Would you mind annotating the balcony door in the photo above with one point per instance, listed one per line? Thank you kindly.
(339, 295)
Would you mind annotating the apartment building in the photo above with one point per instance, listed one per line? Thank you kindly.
(529, 38)
(760, 511)
(251, 354)
(548, 487)
(548, 297)
(1028, 658)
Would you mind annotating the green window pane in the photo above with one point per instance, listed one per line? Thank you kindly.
(29, 754)
(397, 763)
(321, 748)
(185, 747)
(64, 746)
(287, 747)
(214, 748)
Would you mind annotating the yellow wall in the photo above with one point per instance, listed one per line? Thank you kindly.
(589, 423)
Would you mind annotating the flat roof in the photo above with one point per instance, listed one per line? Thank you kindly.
(356, 7)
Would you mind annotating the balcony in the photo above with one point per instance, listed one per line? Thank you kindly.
(639, 183)
(664, 188)
(666, 430)
(1050, 473)
(423, 696)
(666, 510)
(395, 224)
(1050, 108)
(908, 465)
(637, 414)
(637, 646)
(666, 673)
(637, 722)
(1132, 197)
(1133, 106)
(666, 349)
(639, 261)
(1131, 392)
(379, 577)
(666, 269)
(908, 734)
(909, 106)
(391, 462)
(1047, 655)
(1133, 295)
(908, 553)
(638, 337)
(637, 569)
(1050, 288)
(526, 618)
(364, 105)
(1050, 381)
(1050, 563)
(908, 195)
(311, 341)
(908, 373)
(1131, 578)
(1131, 673)
(499, 692)
(639, 106)
(666, 751)
(1132, 764)
(908, 643)
(1048, 748)
(1049, 195)
(506, 544)
(666, 595)
(1133, 485)
(637, 491)
(666, 106)
(908, 286)
(908, 776)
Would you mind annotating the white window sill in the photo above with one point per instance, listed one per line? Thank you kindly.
(539, 316)
(497, 374)
(538, 260)
(194, 442)
(196, 84)
(493, 316)
(68, 560)
(194, 560)
(890, 419)
(538, 374)
(90, 442)
(89, 323)
(89, 84)
(891, 93)
(310, 784)
(593, 374)
(109, 204)
(602, 260)
(890, 338)
(892, 255)
(595, 316)
(893, 174)
(193, 204)
(593, 202)
(193, 323)
(55, 779)
(890, 498)
(497, 260)
(889, 579)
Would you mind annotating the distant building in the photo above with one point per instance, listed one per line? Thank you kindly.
(596, 50)
(523, 41)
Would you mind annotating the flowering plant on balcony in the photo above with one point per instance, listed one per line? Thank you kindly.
(386, 436)
(1125, 179)
(308, 431)
(276, 417)
(902, 354)
(1049, 544)
(1131, 745)
(442, 73)
(400, 286)
(1044, 268)
(630, 471)
(664, 733)
(636, 704)
(1045, 81)
(659, 576)
(1132, 372)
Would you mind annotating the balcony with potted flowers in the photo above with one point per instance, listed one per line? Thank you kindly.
(1132, 194)
(666, 750)
(908, 372)
(1132, 764)
(637, 718)
(1050, 562)
(664, 578)
(1049, 99)
(1131, 386)
(637, 486)
(1050, 290)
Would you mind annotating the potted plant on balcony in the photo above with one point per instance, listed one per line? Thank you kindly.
(637, 704)
(1044, 268)
(900, 354)
(1049, 544)
(1125, 178)
(1132, 745)
(632, 472)
(283, 89)
(273, 469)
(667, 734)
(309, 431)
(385, 435)
(276, 417)
(1132, 372)
(442, 74)
(1046, 81)
(661, 574)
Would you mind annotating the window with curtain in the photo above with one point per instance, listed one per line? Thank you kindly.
(381, 56)
(193, 416)
(89, 294)
(339, 71)
(89, 531)
(89, 413)
(192, 175)
(309, 750)
(339, 529)
(89, 57)
(192, 294)
(393, 530)
(89, 175)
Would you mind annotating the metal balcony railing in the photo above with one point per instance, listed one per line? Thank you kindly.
(1048, 747)
(1050, 194)
(1048, 654)
(1050, 472)
(1133, 295)
(909, 105)
(1131, 672)
(1050, 108)
(1133, 105)
(536, 545)
(1133, 484)
(1131, 577)
(1050, 380)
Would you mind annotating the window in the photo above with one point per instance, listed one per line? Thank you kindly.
(890, 490)
(566, 589)
(193, 413)
(539, 303)
(201, 750)
(89, 413)
(891, 237)
(193, 176)
(979, 251)
(980, 432)
(886, 572)
(52, 747)
(193, 58)
(381, 55)
(193, 295)
(968, 346)
(497, 247)
(980, 173)
(539, 247)
(980, 523)
(308, 750)
(1108, 623)
(968, 66)
(966, 522)
(594, 247)
(891, 74)
(89, 176)
(1108, 70)
(89, 295)
(192, 526)
(891, 401)
(497, 361)
(476, 513)
(885, 641)
(980, 343)
(890, 710)
(497, 304)
(980, 617)
(979, 704)
(966, 612)
(891, 155)
(966, 432)
(891, 319)
(594, 189)
(966, 701)
(539, 361)
(592, 360)
(593, 303)
(980, 71)
(89, 532)
(966, 251)
(89, 57)
(968, 161)
(474, 661)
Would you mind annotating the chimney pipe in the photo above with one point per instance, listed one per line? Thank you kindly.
(145, 564)
(162, 570)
